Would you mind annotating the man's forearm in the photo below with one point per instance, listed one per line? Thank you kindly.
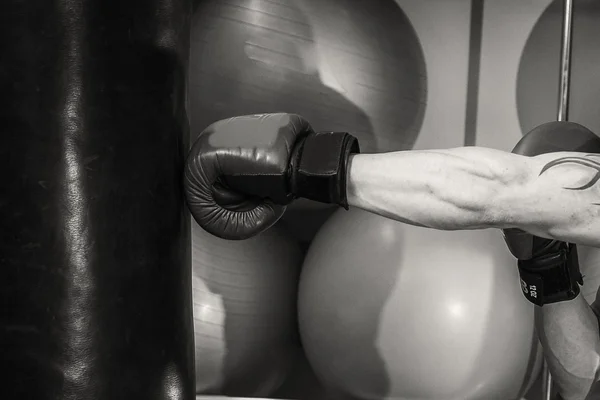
(571, 340)
(552, 195)
(441, 189)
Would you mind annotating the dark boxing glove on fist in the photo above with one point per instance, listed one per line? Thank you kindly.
(242, 172)
(549, 269)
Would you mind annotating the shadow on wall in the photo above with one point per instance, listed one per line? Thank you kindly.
(538, 76)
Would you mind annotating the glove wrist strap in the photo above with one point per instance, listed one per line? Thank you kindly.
(551, 277)
(319, 167)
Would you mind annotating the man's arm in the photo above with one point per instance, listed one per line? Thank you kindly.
(553, 195)
(571, 341)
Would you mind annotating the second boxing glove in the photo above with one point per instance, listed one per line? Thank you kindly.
(549, 269)
(242, 172)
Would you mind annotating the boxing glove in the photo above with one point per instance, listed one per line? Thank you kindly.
(549, 269)
(242, 172)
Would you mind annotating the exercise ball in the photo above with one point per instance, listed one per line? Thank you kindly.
(539, 67)
(346, 65)
(244, 297)
(391, 311)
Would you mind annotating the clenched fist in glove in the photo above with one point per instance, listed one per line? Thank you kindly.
(242, 172)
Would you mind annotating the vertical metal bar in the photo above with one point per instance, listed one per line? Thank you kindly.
(565, 61)
(547, 383)
(474, 72)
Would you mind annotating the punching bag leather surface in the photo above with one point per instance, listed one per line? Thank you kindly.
(94, 236)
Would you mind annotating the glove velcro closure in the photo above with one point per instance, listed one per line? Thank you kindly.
(552, 277)
(319, 167)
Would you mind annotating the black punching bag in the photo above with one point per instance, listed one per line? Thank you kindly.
(94, 247)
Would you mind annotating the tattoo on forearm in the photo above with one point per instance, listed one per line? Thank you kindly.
(586, 162)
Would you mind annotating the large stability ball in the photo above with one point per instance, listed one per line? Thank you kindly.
(345, 65)
(387, 310)
(244, 312)
(539, 67)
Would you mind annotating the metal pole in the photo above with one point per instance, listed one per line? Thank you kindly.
(563, 115)
(565, 61)
(547, 383)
